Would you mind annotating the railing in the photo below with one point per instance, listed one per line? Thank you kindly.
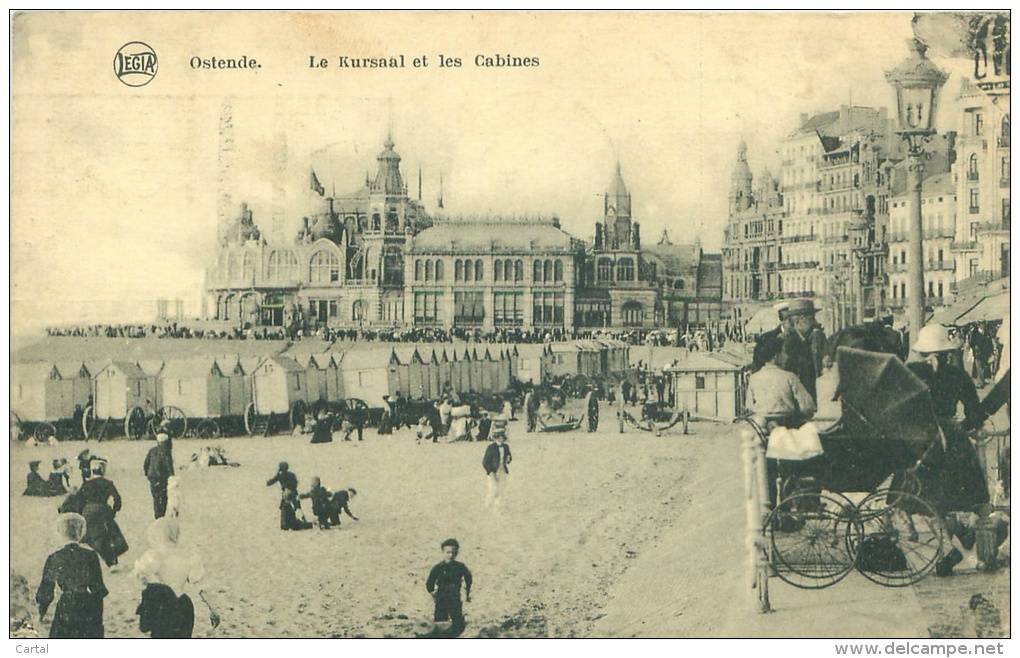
(993, 226)
(972, 175)
(806, 265)
(835, 239)
(974, 210)
(896, 268)
(1003, 141)
(940, 266)
(976, 279)
(963, 246)
(798, 238)
(1004, 182)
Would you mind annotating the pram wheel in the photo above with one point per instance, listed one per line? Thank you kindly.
(902, 538)
(810, 539)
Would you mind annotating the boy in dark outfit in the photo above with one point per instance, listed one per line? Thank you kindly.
(444, 585)
(339, 503)
(75, 569)
(321, 507)
(286, 479)
(288, 513)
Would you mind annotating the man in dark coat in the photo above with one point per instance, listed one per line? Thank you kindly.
(159, 467)
(798, 357)
(784, 328)
(484, 425)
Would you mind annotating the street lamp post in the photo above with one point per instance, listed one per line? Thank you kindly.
(917, 82)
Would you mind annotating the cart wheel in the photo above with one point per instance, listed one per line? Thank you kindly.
(88, 421)
(356, 410)
(902, 538)
(249, 418)
(134, 423)
(808, 539)
(297, 413)
(17, 428)
(178, 421)
(43, 432)
(208, 429)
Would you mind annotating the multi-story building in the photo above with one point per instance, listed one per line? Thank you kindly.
(752, 252)
(981, 246)
(375, 258)
(938, 214)
(493, 273)
(345, 267)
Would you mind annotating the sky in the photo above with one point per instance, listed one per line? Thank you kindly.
(117, 191)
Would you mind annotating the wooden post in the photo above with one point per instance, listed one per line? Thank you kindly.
(756, 493)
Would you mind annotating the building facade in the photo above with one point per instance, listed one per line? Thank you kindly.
(375, 258)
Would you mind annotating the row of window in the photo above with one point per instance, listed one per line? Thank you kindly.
(979, 125)
(503, 270)
(622, 268)
(507, 308)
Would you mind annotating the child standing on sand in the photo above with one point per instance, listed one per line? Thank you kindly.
(444, 585)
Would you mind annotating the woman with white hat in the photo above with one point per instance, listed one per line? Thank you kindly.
(953, 479)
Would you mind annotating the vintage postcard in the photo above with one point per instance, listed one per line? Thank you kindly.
(435, 324)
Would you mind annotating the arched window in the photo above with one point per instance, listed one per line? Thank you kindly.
(247, 266)
(632, 314)
(1004, 129)
(519, 270)
(479, 270)
(625, 269)
(430, 271)
(558, 270)
(547, 271)
(605, 270)
(497, 271)
(358, 310)
(393, 266)
(468, 269)
(972, 167)
(536, 275)
(417, 269)
(273, 267)
(233, 266)
(439, 270)
(458, 270)
(324, 267)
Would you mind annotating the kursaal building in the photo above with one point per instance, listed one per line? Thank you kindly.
(376, 259)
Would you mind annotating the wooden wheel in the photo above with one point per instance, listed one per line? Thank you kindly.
(134, 423)
(208, 429)
(43, 432)
(88, 421)
(250, 418)
(178, 421)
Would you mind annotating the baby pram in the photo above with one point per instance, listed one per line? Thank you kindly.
(858, 504)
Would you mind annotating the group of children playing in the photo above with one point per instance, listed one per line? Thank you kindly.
(56, 485)
(326, 505)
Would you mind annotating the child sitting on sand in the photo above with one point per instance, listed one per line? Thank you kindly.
(288, 513)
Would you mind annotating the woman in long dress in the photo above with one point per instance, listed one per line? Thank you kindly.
(102, 533)
(165, 570)
(76, 571)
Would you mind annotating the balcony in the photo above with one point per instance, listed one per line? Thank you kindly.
(835, 239)
(975, 280)
(972, 175)
(1003, 141)
(806, 265)
(963, 246)
(897, 237)
(985, 227)
(1004, 182)
(940, 266)
(798, 238)
(896, 268)
(974, 210)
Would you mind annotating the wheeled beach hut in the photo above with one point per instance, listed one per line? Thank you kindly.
(709, 387)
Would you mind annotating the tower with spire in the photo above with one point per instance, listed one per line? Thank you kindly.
(619, 230)
(741, 182)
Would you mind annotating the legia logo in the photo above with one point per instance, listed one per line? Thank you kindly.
(135, 64)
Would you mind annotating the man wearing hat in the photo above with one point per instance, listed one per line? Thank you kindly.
(495, 462)
(799, 359)
(785, 327)
(159, 467)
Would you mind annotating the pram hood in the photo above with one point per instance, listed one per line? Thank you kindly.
(883, 400)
